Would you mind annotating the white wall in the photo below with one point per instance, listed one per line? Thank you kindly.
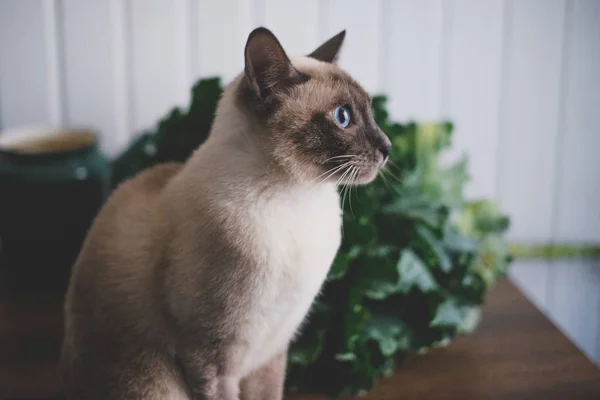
(521, 80)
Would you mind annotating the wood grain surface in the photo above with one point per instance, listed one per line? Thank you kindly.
(516, 353)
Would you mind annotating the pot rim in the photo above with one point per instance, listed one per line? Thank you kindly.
(10, 139)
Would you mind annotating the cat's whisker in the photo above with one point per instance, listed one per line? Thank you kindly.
(383, 177)
(388, 178)
(343, 176)
(352, 178)
(343, 192)
(387, 171)
(333, 168)
(343, 198)
(391, 174)
(337, 182)
(341, 180)
(331, 172)
(385, 180)
(393, 189)
(345, 185)
(342, 156)
(393, 164)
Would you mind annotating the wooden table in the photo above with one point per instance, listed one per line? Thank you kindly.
(516, 353)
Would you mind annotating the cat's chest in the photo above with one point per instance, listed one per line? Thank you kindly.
(298, 239)
(297, 235)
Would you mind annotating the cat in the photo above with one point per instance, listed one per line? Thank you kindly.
(195, 277)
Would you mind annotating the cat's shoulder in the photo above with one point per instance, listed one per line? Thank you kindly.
(152, 179)
(138, 196)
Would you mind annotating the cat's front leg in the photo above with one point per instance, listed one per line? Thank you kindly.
(213, 387)
(267, 382)
(208, 378)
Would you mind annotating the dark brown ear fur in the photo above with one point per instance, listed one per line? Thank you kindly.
(268, 67)
(329, 51)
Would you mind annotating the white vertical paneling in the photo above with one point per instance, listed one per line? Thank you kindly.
(296, 24)
(472, 87)
(54, 58)
(575, 304)
(259, 12)
(578, 180)
(360, 53)
(159, 48)
(121, 70)
(531, 276)
(521, 85)
(530, 116)
(223, 28)
(575, 285)
(414, 56)
(25, 89)
(91, 81)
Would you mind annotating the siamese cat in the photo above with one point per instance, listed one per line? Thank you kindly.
(194, 277)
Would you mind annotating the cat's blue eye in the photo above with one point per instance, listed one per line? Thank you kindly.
(342, 116)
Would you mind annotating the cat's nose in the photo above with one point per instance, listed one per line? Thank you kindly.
(385, 147)
(380, 142)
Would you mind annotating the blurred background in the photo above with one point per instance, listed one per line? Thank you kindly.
(519, 79)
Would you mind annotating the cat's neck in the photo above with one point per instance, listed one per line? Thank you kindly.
(232, 163)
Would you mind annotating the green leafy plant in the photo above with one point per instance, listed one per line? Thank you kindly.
(414, 267)
(415, 264)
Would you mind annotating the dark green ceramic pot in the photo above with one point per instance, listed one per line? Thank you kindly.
(52, 184)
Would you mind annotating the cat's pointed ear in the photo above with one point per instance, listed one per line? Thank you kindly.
(329, 51)
(267, 65)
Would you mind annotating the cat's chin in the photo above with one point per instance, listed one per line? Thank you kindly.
(366, 177)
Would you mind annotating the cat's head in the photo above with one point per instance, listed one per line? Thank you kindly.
(318, 120)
